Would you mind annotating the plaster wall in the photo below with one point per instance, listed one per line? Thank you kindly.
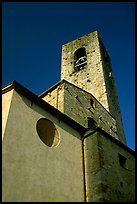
(6, 101)
(33, 171)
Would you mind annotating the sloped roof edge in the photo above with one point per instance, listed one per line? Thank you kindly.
(34, 98)
(50, 89)
(65, 81)
(61, 116)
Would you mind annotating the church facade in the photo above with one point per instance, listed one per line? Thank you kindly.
(68, 144)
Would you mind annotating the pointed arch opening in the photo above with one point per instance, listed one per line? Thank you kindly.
(80, 59)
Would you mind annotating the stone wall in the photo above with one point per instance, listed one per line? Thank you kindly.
(55, 97)
(81, 105)
(91, 77)
(96, 75)
(109, 170)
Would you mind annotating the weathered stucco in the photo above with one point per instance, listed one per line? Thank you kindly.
(6, 101)
(32, 171)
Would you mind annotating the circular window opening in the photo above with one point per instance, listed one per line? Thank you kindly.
(47, 132)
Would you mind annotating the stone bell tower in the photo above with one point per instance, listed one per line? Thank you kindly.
(86, 64)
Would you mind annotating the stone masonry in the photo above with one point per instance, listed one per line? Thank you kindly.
(81, 106)
(94, 75)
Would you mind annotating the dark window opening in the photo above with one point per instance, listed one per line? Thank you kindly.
(122, 161)
(80, 59)
(91, 123)
(92, 103)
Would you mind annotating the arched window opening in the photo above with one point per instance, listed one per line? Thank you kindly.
(80, 59)
(92, 103)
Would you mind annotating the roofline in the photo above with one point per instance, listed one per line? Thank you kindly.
(118, 142)
(36, 99)
(8, 87)
(50, 89)
(63, 80)
(91, 131)
(95, 31)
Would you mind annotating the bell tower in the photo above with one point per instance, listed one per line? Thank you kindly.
(86, 64)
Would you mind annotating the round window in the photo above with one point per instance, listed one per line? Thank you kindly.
(47, 132)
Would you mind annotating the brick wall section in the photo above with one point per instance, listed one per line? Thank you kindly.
(96, 76)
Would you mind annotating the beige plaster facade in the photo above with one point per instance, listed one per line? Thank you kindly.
(32, 171)
(6, 101)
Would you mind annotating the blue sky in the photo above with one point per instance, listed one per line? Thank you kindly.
(33, 33)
